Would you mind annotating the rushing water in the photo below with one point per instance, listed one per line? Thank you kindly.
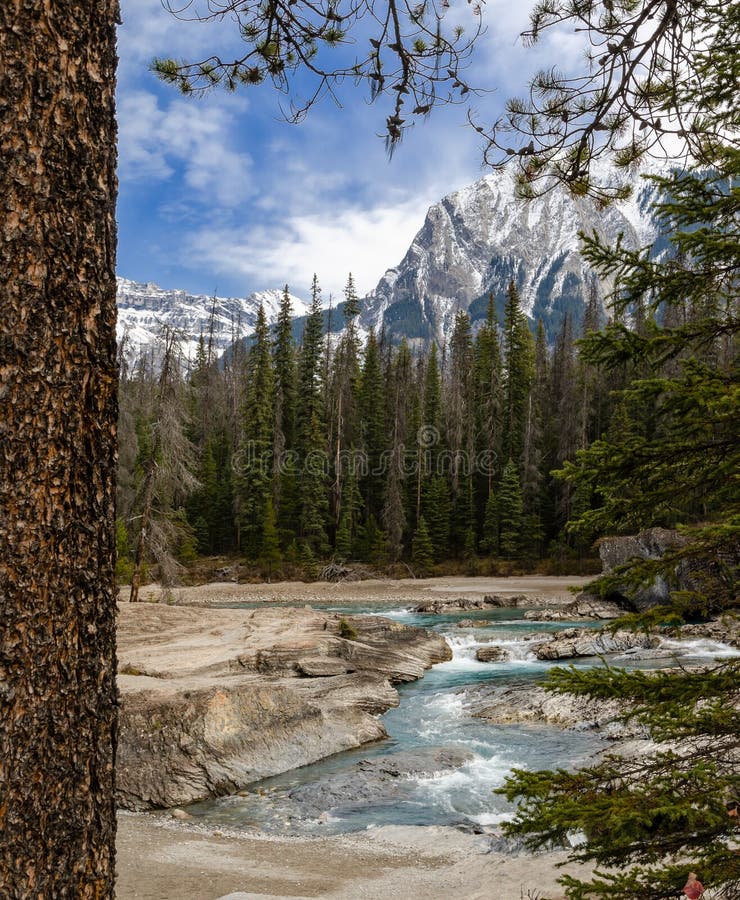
(433, 713)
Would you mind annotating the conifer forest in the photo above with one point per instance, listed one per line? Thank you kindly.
(290, 453)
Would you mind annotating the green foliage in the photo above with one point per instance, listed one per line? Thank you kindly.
(270, 554)
(346, 631)
(254, 478)
(422, 550)
(670, 456)
(124, 563)
(663, 815)
(509, 511)
(519, 375)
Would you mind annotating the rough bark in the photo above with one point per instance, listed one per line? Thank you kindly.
(57, 448)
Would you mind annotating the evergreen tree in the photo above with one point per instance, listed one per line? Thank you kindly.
(487, 403)
(401, 396)
(460, 431)
(284, 476)
(310, 447)
(254, 478)
(519, 374)
(648, 821)
(422, 551)
(489, 541)
(437, 507)
(509, 508)
(345, 435)
(535, 457)
(371, 403)
(270, 554)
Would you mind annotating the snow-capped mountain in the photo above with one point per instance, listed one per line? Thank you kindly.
(472, 243)
(144, 308)
(476, 240)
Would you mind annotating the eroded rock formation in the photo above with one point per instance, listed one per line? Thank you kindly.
(212, 700)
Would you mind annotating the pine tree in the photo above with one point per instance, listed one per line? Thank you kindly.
(422, 551)
(519, 374)
(166, 465)
(509, 508)
(669, 461)
(371, 403)
(254, 478)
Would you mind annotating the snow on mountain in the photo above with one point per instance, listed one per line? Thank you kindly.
(472, 242)
(476, 240)
(144, 308)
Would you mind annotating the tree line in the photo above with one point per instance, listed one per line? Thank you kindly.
(292, 452)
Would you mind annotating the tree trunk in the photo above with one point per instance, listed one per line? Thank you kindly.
(57, 448)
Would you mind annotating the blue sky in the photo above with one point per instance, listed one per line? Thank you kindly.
(221, 194)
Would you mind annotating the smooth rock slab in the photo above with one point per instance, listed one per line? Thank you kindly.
(381, 780)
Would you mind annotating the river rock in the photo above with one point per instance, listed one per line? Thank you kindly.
(574, 642)
(585, 606)
(231, 702)
(532, 703)
(474, 623)
(383, 779)
(489, 601)
(491, 654)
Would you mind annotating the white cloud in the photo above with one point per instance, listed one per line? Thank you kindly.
(364, 241)
(156, 141)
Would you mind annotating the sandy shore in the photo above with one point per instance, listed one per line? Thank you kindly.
(550, 590)
(162, 860)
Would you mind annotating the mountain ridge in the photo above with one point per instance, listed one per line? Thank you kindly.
(472, 242)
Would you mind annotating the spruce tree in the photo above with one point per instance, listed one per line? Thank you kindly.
(437, 508)
(422, 551)
(270, 554)
(489, 540)
(518, 377)
(509, 509)
(371, 402)
(310, 446)
(255, 467)
(284, 475)
(647, 821)
(487, 404)
(401, 396)
(460, 431)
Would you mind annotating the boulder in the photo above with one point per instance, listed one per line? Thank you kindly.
(474, 623)
(437, 607)
(654, 543)
(574, 642)
(489, 601)
(322, 667)
(585, 606)
(491, 654)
